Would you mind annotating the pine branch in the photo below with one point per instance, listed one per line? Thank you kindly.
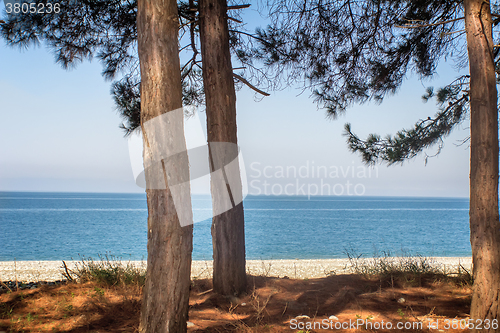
(187, 23)
(241, 79)
(408, 143)
(235, 20)
(409, 26)
(238, 7)
(249, 35)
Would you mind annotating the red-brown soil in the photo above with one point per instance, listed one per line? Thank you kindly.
(269, 306)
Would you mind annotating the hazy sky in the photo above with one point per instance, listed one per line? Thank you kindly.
(60, 133)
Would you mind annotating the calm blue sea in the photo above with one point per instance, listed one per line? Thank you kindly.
(57, 226)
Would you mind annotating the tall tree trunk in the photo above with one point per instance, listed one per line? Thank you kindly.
(228, 233)
(484, 218)
(166, 293)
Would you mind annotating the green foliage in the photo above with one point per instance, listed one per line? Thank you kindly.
(353, 51)
(387, 265)
(128, 103)
(350, 52)
(99, 292)
(81, 30)
(453, 102)
(30, 317)
(108, 270)
(106, 30)
(401, 314)
(6, 310)
(368, 318)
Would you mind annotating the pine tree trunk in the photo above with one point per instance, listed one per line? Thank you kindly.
(166, 293)
(484, 217)
(228, 234)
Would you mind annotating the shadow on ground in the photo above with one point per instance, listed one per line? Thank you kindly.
(269, 305)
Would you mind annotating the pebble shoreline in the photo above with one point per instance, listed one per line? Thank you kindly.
(51, 271)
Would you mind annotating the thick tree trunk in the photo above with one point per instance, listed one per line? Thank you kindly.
(228, 234)
(484, 219)
(166, 293)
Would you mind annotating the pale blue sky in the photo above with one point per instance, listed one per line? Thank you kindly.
(60, 133)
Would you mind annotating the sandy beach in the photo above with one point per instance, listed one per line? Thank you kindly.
(30, 271)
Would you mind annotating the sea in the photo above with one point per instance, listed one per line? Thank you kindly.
(65, 226)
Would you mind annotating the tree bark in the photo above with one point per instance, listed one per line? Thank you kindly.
(228, 234)
(484, 217)
(166, 292)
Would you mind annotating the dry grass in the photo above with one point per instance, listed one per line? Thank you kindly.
(106, 297)
(108, 270)
(70, 308)
(268, 307)
(409, 269)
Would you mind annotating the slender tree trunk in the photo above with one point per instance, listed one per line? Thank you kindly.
(166, 293)
(228, 234)
(484, 218)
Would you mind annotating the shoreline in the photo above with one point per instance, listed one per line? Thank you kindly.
(51, 270)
